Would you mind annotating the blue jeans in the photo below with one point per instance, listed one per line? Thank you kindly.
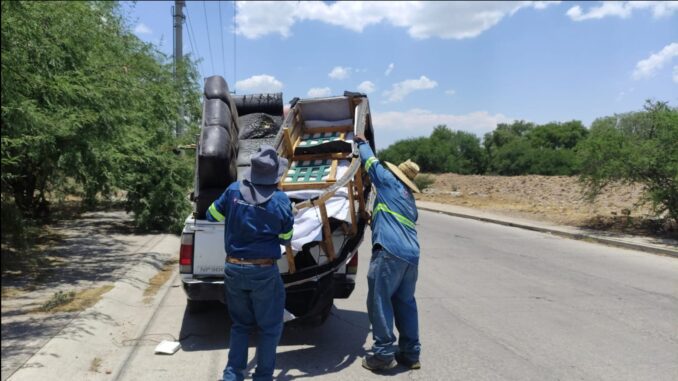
(391, 283)
(256, 299)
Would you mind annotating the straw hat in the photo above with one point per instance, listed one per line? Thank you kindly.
(406, 172)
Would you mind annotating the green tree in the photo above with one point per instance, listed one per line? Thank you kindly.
(84, 101)
(444, 151)
(523, 148)
(638, 147)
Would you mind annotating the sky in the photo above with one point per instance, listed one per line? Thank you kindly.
(468, 65)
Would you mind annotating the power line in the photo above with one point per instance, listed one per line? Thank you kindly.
(235, 33)
(192, 41)
(221, 37)
(209, 40)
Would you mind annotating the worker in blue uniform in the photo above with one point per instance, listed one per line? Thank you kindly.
(392, 275)
(258, 218)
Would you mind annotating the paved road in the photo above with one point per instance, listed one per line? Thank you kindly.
(496, 303)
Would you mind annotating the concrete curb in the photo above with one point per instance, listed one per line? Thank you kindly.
(120, 312)
(566, 234)
(121, 367)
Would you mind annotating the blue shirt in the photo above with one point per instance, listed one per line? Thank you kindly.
(395, 214)
(253, 231)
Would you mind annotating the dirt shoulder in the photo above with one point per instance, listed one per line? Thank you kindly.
(557, 199)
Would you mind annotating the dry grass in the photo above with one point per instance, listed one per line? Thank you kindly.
(158, 280)
(95, 365)
(74, 301)
(557, 199)
(12, 292)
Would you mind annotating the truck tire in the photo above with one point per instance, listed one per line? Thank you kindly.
(319, 318)
(196, 306)
(271, 104)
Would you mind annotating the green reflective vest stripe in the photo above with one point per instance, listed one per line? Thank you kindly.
(369, 162)
(215, 213)
(381, 207)
(286, 236)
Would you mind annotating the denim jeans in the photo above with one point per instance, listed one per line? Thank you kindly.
(391, 283)
(256, 300)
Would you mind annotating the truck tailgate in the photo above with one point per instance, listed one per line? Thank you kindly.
(209, 253)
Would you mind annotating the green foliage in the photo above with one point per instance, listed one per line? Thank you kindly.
(157, 190)
(84, 102)
(444, 151)
(638, 147)
(523, 148)
(424, 181)
(59, 298)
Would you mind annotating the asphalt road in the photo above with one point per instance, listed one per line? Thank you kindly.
(495, 303)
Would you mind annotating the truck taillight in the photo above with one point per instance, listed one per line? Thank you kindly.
(352, 265)
(186, 254)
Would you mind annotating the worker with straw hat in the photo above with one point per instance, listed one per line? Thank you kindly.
(392, 275)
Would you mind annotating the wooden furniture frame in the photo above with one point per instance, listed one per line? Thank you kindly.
(291, 137)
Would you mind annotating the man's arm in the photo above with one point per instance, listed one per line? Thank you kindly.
(379, 175)
(287, 220)
(218, 211)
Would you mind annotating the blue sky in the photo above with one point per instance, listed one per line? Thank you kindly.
(467, 65)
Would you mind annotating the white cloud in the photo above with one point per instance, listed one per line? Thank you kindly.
(366, 87)
(651, 65)
(450, 92)
(395, 125)
(142, 28)
(448, 20)
(262, 83)
(624, 93)
(389, 69)
(675, 74)
(318, 92)
(400, 90)
(340, 72)
(622, 9)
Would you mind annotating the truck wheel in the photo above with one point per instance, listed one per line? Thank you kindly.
(319, 318)
(325, 313)
(196, 306)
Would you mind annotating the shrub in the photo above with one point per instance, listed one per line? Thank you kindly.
(424, 181)
(638, 147)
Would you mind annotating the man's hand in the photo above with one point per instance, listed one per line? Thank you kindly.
(360, 138)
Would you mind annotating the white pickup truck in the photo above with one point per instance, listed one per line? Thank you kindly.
(321, 266)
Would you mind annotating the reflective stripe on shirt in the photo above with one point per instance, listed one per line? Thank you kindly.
(215, 213)
(369, 162)
(381, 207)
(286, 236)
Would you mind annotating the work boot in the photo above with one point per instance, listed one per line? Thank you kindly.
(407, 363)
(376, 364)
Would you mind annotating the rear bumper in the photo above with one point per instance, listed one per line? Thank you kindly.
(303, 300)
(204, 289)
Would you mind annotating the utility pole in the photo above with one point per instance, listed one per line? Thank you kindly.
(178, 16)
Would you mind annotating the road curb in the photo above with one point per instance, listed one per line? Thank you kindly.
(120, 369)
(577, 236)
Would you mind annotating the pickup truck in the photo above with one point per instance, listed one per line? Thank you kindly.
(324, 180)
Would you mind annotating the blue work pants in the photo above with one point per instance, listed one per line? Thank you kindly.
(256, 300)
(391, 283)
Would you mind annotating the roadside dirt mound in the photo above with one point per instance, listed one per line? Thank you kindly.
(557, 199)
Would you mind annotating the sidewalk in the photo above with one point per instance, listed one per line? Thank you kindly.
(98, 249)
(647, 244)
